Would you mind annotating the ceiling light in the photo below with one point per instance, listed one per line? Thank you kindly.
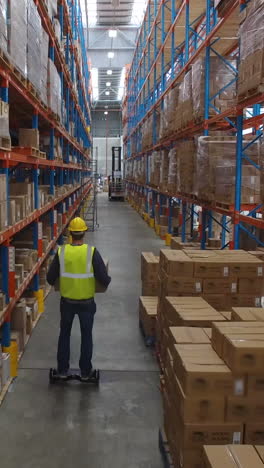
(105, 113)
(108, 83)
(109, 72)
(92, 11)
(121, 84)
(94, 78)
(111, 55)
(107, 93)
(106, 107)
(112, 32)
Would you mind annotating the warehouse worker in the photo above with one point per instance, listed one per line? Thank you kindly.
(77, 266)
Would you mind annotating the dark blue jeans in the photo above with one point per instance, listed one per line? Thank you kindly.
(85, 313)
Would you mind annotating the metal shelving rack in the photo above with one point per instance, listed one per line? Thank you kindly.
(13, 162)
(173, 35)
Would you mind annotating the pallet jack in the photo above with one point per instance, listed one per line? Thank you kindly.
(93, 379)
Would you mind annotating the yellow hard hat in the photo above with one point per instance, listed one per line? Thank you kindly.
(77, 225)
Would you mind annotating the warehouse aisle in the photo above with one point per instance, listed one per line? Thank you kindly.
(117, 425)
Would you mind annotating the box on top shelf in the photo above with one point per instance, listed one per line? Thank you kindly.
(3, 25)
(34, 44)
(18, 35)
(251, 67)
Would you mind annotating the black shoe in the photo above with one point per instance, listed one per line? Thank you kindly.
(86, 377)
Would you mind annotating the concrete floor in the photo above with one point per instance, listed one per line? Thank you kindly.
(115, 426)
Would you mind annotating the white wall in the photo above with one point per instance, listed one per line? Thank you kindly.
(102, 150)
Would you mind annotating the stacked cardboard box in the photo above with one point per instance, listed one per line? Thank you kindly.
(3, 25)
(225, 279)
(3, 203)
(4, 369)
(186, 152)
(54, 89)
(26, 257)
(197, 383)
(147, 315)
(44, 66)
(149, 273)
(169, 112)
(241, 346)
(216, 169)
(251, 67)
(221, 78)
(184, 113)
(233, 456)
(22, 195)
(34, 44)
(182, 312)
(18, 34)
(4, 125)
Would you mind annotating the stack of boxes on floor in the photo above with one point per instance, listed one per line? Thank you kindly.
(210, 344)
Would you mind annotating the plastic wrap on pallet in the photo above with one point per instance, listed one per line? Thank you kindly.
(164, 169)
(154, 168)
(184, 113)
(52, 6)
(173, 168)
(251, 68)
(4, 120)
(57, 28)
(34, 38)
(18, 34)
(3, 25)
(221, 76)
(186, 162)
(44, 66)
(54, 89)
(216, 170)
(168, 112)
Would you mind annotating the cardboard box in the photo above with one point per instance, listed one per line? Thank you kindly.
(200, 371)
(248, 314)
(196, 435)
(260, 451)
(172, 285)
(247, 269)
(254, 433)
(147, 315)
(244, 356)
(244, 300)
(211, 268)
(245, 409)
(3, 216)
(213, 286)
(19, 316)
(176, 263)
(28, 137)
(253, 286)
(231, 456)
(149, 267)
(98, 287)
(194, 409)
(219, 330)
(190, 312)
(188, 335)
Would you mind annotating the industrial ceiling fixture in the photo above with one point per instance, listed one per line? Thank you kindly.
(108, 83)
(109, 72)
(111, 55)
(105, 113)
(112, 33)
(107, 93)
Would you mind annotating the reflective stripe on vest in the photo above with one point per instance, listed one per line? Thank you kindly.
(88, 273)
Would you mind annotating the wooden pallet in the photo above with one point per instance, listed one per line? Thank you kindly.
(165, 449)
(149, 340)
(19, 76)
(28, 151)
(42, 155)
(5, 57)
(251, 93)
(5, 143)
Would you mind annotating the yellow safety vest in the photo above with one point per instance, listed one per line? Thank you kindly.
(76, 271)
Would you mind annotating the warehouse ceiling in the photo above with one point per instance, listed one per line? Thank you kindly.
(112, 33)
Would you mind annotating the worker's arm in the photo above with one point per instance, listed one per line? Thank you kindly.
(54, 270)
(100, 271)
